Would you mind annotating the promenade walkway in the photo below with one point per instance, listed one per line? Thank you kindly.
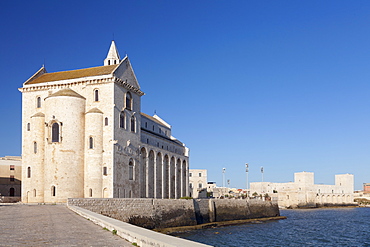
(51, 225)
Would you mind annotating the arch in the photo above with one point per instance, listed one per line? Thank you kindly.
(105, 192)
(55, 132)
(91, 142)
(183, 178)
(38, 102)
(143, 173)
(172, 178)
(158, 176)
(35, 147)
(122, 120)
(96, 95)
(11, 191)
(128, 101)
(133, 124)
(178, 178)
(131, 170)
(28, 172)
(150, 179)
(34, 192)
(165, 182)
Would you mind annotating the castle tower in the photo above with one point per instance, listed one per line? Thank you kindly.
(113, 56)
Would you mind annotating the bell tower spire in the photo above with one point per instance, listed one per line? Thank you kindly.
(113, 56)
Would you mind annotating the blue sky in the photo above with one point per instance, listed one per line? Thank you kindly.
(279, 84)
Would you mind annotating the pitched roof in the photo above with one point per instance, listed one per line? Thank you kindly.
(73, 74)
(153, 119)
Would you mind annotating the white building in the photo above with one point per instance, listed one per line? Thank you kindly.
(83, 135)
(304, 193)
(198, 183)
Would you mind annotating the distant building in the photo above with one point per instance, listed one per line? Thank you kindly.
(367, 187)
(10, 176)
(304, 193)
(198, 183)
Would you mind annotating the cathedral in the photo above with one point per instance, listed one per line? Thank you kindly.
(84, 136)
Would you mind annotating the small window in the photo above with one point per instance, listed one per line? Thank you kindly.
(160, 131)
(90, 192)
(11, 192)
(200, 174)
(96, 95)
(38, 102)
(55, 132)
(128, 101)
(200, 186)
(34, 192)
(53, 191)
(12, 178)
(91, 142)
(108, 62)
(35, 147)
(190, 174)
(191, 185)
(131, 171)
(133, 123)
(153, 127)
(12, 167)
(122, 120)
(147, 141)
(105, 171)
(146, 125)
(106, 121)
(28, 127)
(28, 172)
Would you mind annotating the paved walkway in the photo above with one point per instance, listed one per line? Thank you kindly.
(52, 225)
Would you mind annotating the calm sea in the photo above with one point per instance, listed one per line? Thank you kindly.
(303, 227)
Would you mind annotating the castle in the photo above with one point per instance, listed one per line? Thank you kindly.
(83, 135)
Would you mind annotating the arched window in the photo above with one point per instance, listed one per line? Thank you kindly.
(128, 101)
(133, 127)
(28, 172)
(34, 192)
(96, 95)
(122, 120)
(55, 132)
(131, 171)
(90, 192)
(91, 142)
(28, 126)
(53, 191)
(38, 102)
(35, 147)
(108, 62)
(106, 121)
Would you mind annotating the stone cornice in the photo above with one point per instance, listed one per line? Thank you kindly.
(64, 84)
(128, 86)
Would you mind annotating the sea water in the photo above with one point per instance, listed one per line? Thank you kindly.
(303, 227)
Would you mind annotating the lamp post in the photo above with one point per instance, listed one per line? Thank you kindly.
(246, 171)
(262, 172)
(223, 177)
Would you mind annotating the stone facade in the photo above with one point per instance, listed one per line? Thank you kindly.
(198, 183)
(304, 193)
(83, 135)
(10, 178)
(155, 213)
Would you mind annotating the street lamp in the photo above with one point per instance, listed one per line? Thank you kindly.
(246, 171)
(262, 172)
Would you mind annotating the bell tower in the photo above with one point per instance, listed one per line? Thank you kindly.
(113, 56)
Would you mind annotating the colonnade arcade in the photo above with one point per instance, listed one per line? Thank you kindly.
(163, 176)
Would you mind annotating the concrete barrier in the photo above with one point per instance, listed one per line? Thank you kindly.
(134, 234)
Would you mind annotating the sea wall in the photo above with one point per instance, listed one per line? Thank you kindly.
(164, 213)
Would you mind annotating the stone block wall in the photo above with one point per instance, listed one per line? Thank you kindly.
(164, 213)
